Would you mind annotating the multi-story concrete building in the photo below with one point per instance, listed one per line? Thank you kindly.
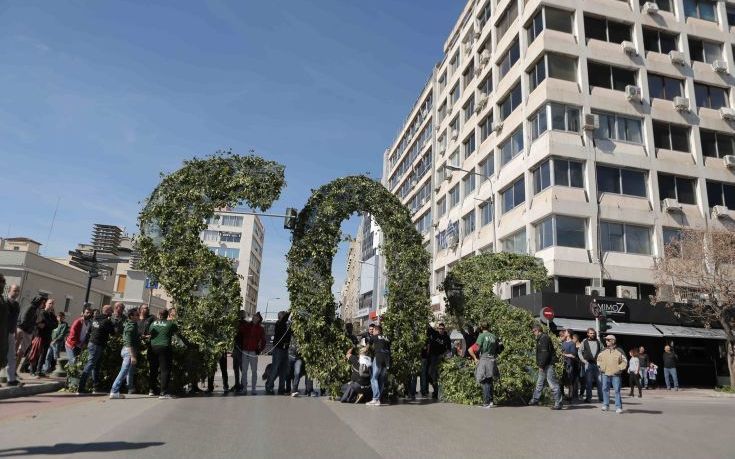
(349, 296)
(240, 237)
(584, 133)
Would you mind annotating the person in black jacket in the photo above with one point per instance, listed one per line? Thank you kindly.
(26, 331)
(100, 331)
(46, 322)
(545, 357)
(439, 344)
(13, 313)
(4, 312)
(281, 343)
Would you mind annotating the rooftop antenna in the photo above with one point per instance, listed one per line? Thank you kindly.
(53, 220)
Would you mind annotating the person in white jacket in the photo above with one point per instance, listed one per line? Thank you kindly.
(634, 373)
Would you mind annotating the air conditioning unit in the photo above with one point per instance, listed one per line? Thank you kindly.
(497, 126)
(485, 57)
(591, 122)
(681, 104)
(677, 57)
(671, 205)
(454, 134)
(720, 211)
(626, 291)
(594, 291)
(629, 48)
(633, 93)
(719, 66)
(650, 8)
(729, 161)
(727, 114)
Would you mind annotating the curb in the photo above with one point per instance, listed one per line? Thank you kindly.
(31, 389)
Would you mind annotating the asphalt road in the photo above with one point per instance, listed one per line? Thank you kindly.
(59, 425)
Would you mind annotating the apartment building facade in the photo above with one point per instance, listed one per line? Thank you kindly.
(586, 133)
(240, 237)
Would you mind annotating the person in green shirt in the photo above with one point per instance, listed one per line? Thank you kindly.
(487, 369)
(162, 332)
(129, 354)
(58, 336)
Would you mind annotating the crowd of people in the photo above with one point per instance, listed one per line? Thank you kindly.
(36, 339)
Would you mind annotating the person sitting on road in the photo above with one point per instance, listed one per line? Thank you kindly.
(358, 389)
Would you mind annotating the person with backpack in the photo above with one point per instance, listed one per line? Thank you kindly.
(486, 370)
(612, 363)
(545, 362)
(358, 389)
(381, 363)
(588, 352)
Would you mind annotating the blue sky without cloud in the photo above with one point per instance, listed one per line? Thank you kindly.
(97, 98)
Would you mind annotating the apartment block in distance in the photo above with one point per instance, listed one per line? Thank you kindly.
(585, 133)
(239, 237)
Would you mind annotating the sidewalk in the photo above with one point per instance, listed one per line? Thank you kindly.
(31, 386)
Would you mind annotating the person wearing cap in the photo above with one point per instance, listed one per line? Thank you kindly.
(612, 363)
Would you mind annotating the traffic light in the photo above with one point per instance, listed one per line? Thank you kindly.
(604, 326)
(289, 222)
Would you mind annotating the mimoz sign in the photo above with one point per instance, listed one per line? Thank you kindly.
(609, 308)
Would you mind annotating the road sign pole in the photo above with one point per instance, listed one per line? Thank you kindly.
(597, 327)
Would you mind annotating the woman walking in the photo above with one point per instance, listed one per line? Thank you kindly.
(129, 354)
(162, 332)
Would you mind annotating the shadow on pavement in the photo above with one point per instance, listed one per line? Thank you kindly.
(6, 402)
(72, 448)
(643, 412)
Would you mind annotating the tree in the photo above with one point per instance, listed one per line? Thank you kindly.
(696, 279)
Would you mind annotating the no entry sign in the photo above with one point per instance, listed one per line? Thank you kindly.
(547, 313)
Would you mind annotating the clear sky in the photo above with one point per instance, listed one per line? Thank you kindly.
(98, 98)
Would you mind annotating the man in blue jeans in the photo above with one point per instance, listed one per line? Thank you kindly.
(612, 363)
(643, 360)
(100, 331)
(545, 363)
(588, 352)
(381, 363)
(670, 376)
(129, 354)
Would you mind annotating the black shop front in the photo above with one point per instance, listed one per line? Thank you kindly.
(635, 323)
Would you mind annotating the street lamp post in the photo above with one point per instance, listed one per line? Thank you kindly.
(490, 200)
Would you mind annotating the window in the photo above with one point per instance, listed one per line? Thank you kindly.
(231, 220)
(484, 15)
(486, 86)
(622, 237)
(512, 146)
(619, 127)
(232, 254)
(670, 136)
(610, 77)
(559, 230)
(720, 194)
(713, 97)
(442, 112)
(511, 57)
(663, 5)
(454, 125)
(629, 182)
(671, 235)
(468, 184)
(468, 223)
(550, 18)
(605, 30)
(717, 144)
(704, 51)
(662, 87)
(454, 94)
(486, 213)
(468, 74)
(468, 146)
(675, 187)
(702, 9)
(454, 196)
(423, 224)
(514, 195)
(486, 167)
(555, 66)
(486, 127)
(515, 243)
(231, 237)
(565, 173)
(563, 118)
(454, 158)
(443, 81)
(518, 290)
(454, 63)
(659, 41)
(210, 236)
(731, 16)
(510, 102)
(469, 108)
(506, 19)
(441, 207)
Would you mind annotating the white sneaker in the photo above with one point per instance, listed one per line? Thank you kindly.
(604, 407)
(619, 410)
(489, 405)
(372, 403)
(165, 397)
(294, 394)
(116, 395)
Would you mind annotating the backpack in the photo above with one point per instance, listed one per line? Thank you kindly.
(488, 343)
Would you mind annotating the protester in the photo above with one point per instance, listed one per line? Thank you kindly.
(643, 361)
(4, 325)
(26, 331)
(588, 352)
(78, 333)
(100, 330)
(252, 343)
(118, 317)
(486, 370)
(299, 371)
(279, 367)
(439, 345)
(129, 354)
(571, 364)
(579, 376)
(359, 388)
(545, 363)
(145, 320)
(162, 332)
(634, 373)
(13, 308)
(46, 323)
(612, 363)
(670, 360)
(58, 337)
(381, 364)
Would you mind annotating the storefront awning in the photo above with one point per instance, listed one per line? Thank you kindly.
(623, 328)
(573, 324)
(675, 331)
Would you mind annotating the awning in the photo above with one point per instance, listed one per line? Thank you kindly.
(675, 331)
(624, 328)
(573, 324)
